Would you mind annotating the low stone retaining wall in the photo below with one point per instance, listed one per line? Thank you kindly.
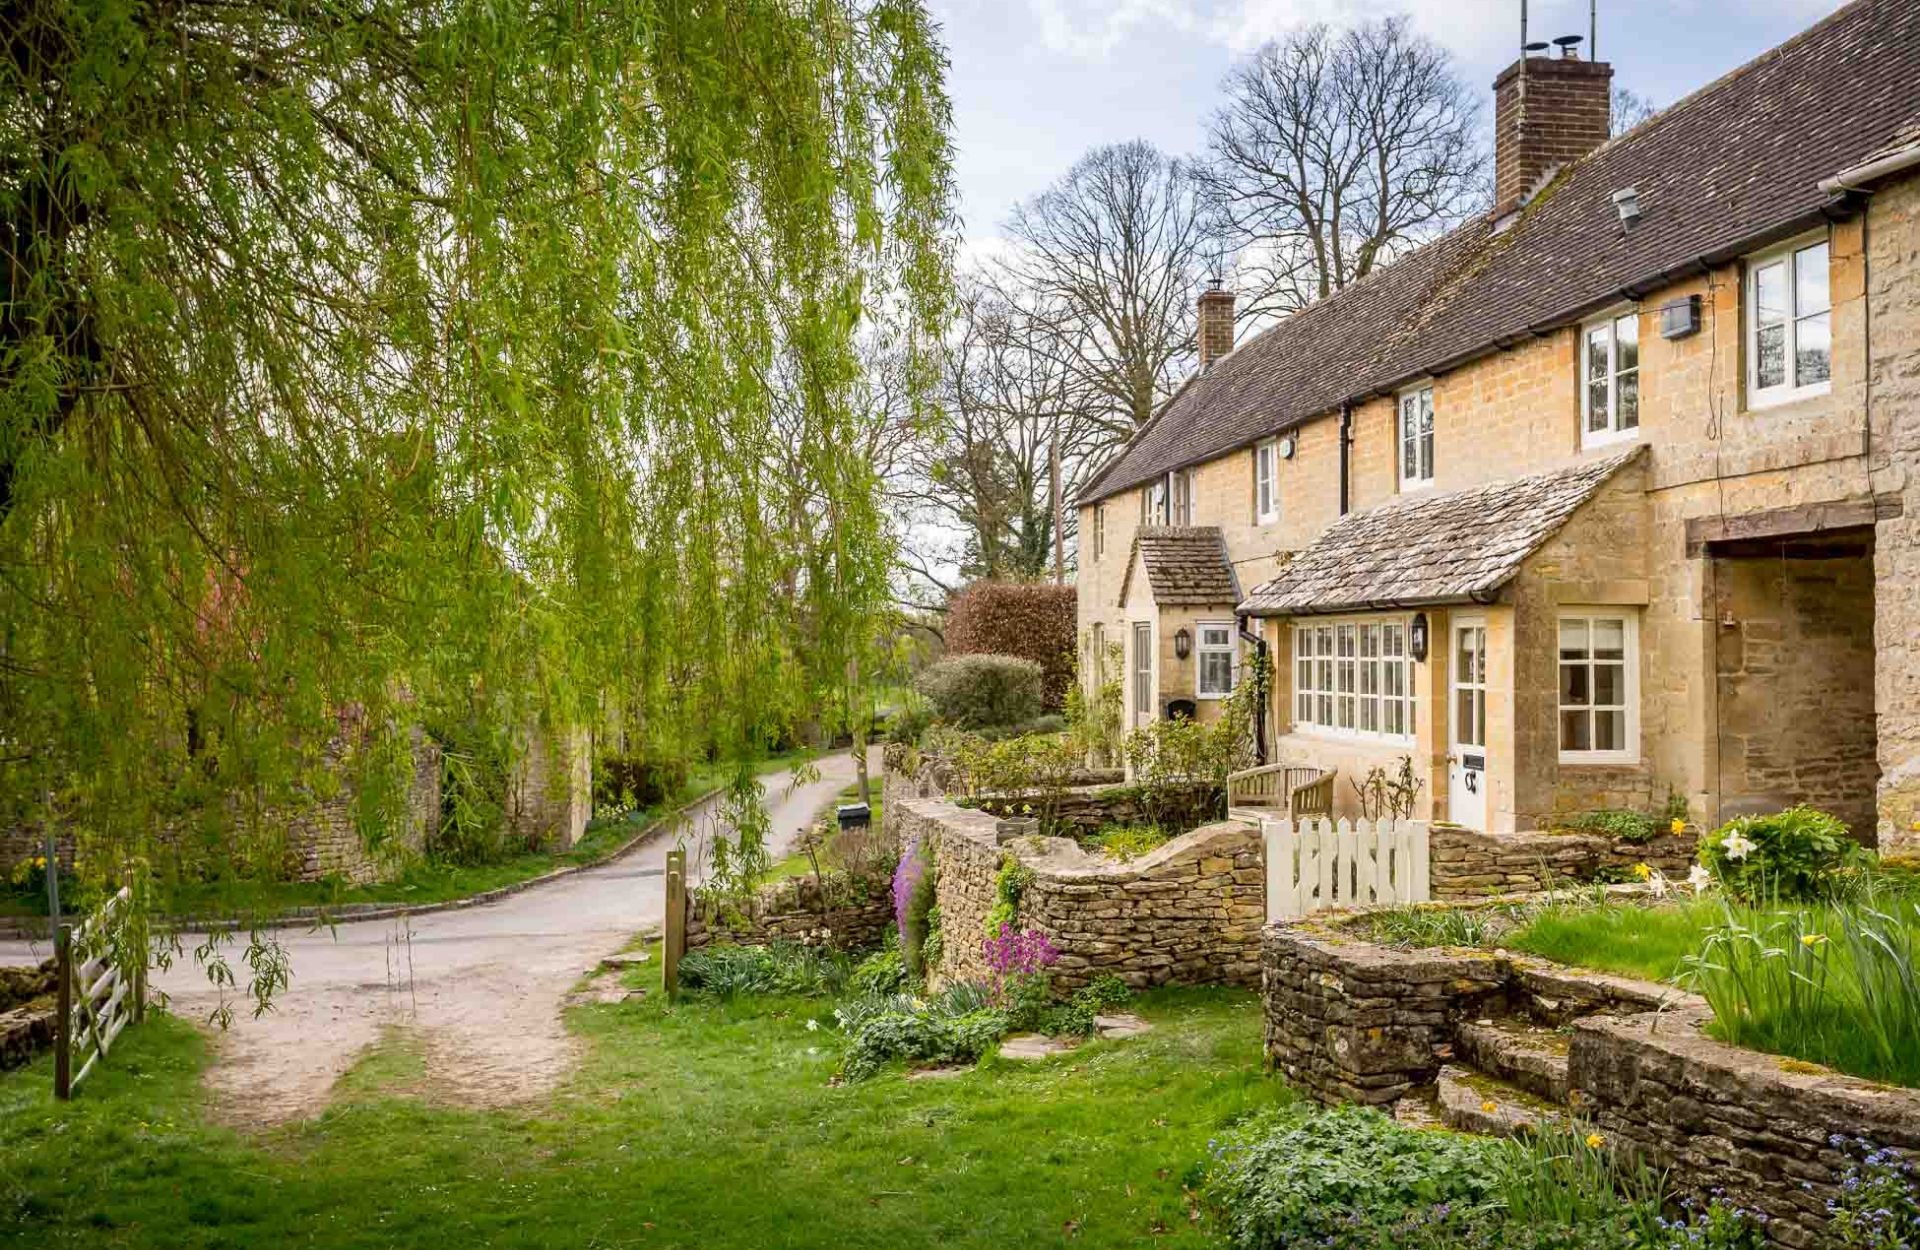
(1474, 865)
(26, 1013)
(1719, 1117)
(1351, 1021)
(1186, 913)
(1086, 811)
(793, 911)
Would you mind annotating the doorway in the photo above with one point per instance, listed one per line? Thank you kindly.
(1467, 757)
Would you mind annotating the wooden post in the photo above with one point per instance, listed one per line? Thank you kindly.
(63, 1018)
(674, 942)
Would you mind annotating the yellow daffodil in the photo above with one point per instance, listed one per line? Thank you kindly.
(1642, 871)
(1812, 939)
(1595, 1141)
(1489, 1106)
(1678, 827)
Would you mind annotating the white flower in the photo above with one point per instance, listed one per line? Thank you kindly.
(1658, 883)
(1737, 847)
(813, 1026)
(1699, 879)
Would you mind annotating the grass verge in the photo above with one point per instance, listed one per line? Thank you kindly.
(708, 1124)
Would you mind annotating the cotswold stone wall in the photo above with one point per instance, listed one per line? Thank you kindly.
(1088, 810)
(793, 911)
(1718, 1117)
(550, 795)
(1352, 1021)
(1469, 865)
(1185, 913)
(323, 840)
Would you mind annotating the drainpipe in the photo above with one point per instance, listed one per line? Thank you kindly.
(1259, 645)
(1346, 457)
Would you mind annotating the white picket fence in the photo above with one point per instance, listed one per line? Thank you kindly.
(1320, 863)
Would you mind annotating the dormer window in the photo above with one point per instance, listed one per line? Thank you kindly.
(1416, 438)
(1610, 367)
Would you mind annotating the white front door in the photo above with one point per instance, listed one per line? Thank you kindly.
(1142, 673)
(1467, 760)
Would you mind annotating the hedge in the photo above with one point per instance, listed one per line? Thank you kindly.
(983, 691)
(1036, 620)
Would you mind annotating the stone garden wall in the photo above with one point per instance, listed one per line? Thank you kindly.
(1469, 865)
(1352, 1021)
(1188, 912)
(855, 916)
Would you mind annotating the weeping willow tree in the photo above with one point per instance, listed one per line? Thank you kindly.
(369, 360)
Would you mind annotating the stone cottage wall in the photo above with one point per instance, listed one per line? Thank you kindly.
(1186, 913)
(550, 795)
(1467, 865)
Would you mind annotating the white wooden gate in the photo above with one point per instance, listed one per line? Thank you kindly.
(1318, 863)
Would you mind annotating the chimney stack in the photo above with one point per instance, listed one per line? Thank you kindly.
(1547, 112)
(1216, 323)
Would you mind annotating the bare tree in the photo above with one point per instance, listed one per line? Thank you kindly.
(1630, 108)
(1109, 257)
(1335, 152)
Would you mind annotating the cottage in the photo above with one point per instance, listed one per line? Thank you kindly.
(1603, 497)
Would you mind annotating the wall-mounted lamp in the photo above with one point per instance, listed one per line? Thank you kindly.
(1417, 638)
(1182, 644)
(1286, 447)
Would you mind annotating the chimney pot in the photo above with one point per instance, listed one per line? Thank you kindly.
(1547, 112)
(1215, 308)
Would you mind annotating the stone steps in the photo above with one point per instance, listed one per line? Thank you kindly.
(1472, 1102)
(1518, 1052)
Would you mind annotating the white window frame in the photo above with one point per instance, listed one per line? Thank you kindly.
(1423, 440)
(1791, 389)
(1266, 482)
(1180, 497)
(1343, 687)
(1099, 530)
(1201, 649)
(1630, 684)
(1153, 502)
(1614, 432)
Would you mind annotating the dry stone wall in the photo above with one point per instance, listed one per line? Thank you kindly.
(1468, 865)
(850, 918)
(1188, 912)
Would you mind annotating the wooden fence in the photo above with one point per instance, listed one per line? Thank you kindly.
(101, 971)
(1316, 864)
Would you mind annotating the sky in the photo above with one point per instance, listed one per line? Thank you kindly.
(1036, 83)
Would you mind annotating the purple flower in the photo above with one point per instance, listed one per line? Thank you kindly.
(906, 879)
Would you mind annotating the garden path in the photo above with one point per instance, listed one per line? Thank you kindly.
(479, 990)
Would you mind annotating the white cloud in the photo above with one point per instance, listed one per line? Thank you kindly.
(1092, 29)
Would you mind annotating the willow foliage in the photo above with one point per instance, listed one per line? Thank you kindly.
(364, 361)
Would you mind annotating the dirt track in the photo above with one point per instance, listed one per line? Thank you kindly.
(480, 989)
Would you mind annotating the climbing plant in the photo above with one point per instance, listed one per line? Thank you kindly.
(364, 362)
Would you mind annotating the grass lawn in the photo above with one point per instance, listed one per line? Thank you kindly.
(421, 882)
(1644, 942)
(707, 1125)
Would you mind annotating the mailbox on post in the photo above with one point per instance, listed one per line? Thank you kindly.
(854, 816)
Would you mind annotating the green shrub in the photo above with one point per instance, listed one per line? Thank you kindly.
(1009, 884)
(1614, 822)
(983, 691)
(1034, 620)
(956, 1025)
(1789, 855)
(1127, 842)
(727, 971)
(1344, 1177)
(910, 722)
(473, 797)
(883, 972)
(623, 783)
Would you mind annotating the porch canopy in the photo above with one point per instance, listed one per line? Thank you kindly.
(1185, 564)
(1429, 550)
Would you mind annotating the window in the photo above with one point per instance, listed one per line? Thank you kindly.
(1266, 489)
(1599, 687)
(1354, 677)
(1097, 643)
(1416, 438)
(1790, 343)
(1142, 672)
(1180, 491)
(1610, 400)
(1099, 530)
(1214, 658)
(1153, 503)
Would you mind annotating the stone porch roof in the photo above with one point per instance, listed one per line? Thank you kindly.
(1186, 565)
(1432, 549)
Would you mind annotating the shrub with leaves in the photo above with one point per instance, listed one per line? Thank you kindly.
(958, 1024)
(1786, 856)
(883, 972)
(727, 971)
(1617, 823)
(1035, 620)
(626, 782)
(983, 691)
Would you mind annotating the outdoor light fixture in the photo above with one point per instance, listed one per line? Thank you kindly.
(1286, 447)
(1417, 638)
(1626, 202)
(1182, 644)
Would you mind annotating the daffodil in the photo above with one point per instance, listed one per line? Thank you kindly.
(1699, 879)
(1738, 847)
(1643, 872)
(1489, 1106)
(1678, 827)
(813, 1026)
(1595, 1141)
(1812, 939)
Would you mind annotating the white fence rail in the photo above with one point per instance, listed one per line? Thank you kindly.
(1319, 863)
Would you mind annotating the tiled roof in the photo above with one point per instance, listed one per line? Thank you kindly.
(1731, 167)
(1430, 549)
(1185, 565)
